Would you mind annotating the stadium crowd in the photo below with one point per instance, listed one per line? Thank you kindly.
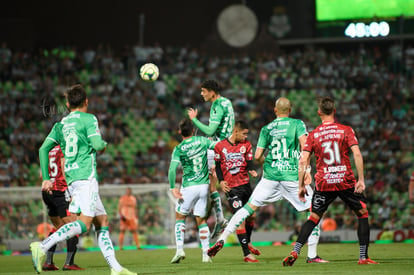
(372, 87)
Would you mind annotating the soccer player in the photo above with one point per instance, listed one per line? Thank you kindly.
(331, 143)
(234, 162)
(284, 137)
(411, 188)
(57, 202)
(79, 137)
(220, 126)
(127, 209)
(191, 153)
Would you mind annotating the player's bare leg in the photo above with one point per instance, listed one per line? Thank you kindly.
(136, 238)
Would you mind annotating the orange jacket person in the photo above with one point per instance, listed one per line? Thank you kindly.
(127, 208)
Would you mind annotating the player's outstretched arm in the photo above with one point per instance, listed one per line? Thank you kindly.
(206, 129)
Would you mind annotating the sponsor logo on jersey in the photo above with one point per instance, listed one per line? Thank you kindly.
(189, 145)
(334, 169)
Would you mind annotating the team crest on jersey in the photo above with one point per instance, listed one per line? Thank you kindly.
(242, 149)
(217, 156)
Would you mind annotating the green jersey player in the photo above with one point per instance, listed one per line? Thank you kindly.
(79, 138)
(191, 153)
(283, 138)
(220, 127)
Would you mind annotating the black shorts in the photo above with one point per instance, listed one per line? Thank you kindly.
(56, 203)
(239, 196)
(322, 199)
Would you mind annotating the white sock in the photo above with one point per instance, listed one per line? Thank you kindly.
(107, 249)
(204, 235)
(66, 232)
(313, 241)
(234, 222)
(179, 234)
(218, 208)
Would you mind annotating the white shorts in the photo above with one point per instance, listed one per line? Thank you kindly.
(85, 198)
(268, 191)
(210, 160)
(194, 198)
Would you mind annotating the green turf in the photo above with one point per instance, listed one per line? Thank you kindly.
(396, 258)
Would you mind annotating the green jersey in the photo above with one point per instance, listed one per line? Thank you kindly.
(221, 121)
(79, 137)
(281, 137)
(192, 154)
(222, 113)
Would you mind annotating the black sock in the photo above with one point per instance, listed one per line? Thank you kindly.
(304, 234)
(72, 247)
(363, 237)
(49, 254)
(249, 229)
(244, 243)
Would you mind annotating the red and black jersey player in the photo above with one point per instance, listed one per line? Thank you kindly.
(234, 162)
(57, 202)
(331, 143)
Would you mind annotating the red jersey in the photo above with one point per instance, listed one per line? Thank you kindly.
(233, 161)
(331, 143)
(55, 169)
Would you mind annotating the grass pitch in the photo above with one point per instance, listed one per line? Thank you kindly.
(396, 258)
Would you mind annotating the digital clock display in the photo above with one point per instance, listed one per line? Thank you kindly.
(373, 29)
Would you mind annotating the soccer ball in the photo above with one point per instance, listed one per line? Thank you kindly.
(149, 72)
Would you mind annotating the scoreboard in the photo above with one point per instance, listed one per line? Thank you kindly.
(364, 18)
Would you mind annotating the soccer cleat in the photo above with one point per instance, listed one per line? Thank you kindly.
(180, 255)
(38, 256)
(366, 261)
(212, 251)
(219, 228)
(72, 267)
(317, 259)
(254, 250)
(250, 259)
(49, 267)
(207, 259)
(290, 260)
(124, 271)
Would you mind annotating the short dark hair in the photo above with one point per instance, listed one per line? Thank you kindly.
(76, 96)
(241, 124)
(326, 105)
(186, 127)
(211, 85)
